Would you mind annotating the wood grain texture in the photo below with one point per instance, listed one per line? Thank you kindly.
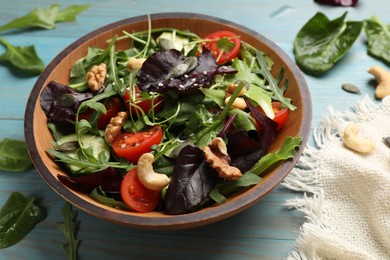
(265, 231)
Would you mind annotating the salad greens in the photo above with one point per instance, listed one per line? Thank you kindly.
(14, 156)
(18, 217)
(321, 42)
(45, 18)
(69, 228)
(181, 78)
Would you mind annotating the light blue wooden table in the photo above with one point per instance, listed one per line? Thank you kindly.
(266, 230)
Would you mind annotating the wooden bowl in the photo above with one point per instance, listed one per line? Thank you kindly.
(38, 137)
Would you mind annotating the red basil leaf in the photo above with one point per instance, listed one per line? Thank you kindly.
(191, 182)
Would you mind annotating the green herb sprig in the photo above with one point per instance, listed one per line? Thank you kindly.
(69, 228)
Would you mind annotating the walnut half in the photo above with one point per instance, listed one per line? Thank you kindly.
(114, 127)
(96, 76)
(216, 155)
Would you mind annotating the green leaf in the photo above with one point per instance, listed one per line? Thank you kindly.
(322, 42)
(69, 228)
(378, 35)
(286, 152)
(100, 196)
(18, 217)
(225, 45)
(23, 58)
(243, 120)
(261, 98)
(244, 72)
(44, 18)
(69, 14)
(14, 156)
(39, 17)
(221, 190)
(273, 84)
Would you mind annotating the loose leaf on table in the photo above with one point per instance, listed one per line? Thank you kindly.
(45, 18)
(69, 228)
(378, 35)
(322, 42)
(22, 58)
(14, 156)
(18, 217)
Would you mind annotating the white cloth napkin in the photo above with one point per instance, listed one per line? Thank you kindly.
(346, 194)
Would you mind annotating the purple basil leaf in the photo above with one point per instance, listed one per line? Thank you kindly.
(337, 2)
(267, 127)
(156, 74)
(109, 179)
(191, 182)
(60, 102)
(244, 150)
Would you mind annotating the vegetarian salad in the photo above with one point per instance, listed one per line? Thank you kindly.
(173, 123)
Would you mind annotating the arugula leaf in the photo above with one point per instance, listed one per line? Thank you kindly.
(23, 58)
(286, 152)
(244, 72)
(278, 92)
(225, 188)
(100, 196)
(69, 13)
(45, 18)
(18, 217)
(14, 156)
(322, 42)
(69, 228)
(378, 35)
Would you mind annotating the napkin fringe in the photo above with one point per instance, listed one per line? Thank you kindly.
(304, 178)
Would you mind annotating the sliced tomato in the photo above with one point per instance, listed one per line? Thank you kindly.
(157, 102)
(132, 145)
(136, 195)
(113, 106)
(226, 53)
(281, 114)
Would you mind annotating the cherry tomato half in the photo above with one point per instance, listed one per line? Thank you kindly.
(112, 106)
(221, 55)
(281, 114)
(136, 195)
(132, 145)
(140, 102)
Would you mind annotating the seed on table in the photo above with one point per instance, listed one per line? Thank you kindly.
(350, 88)
(387, 140)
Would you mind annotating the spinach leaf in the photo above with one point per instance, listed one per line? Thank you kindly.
(378, 35)
(191, 182)
(45, 18)
(18, 217)
(14, 156)
(23, 58)
(68, 228)
(322, 42)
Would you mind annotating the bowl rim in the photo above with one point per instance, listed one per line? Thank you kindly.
(202, 217)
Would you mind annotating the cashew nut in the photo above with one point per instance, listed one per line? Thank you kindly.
(237, 103)
(146, 175)
(135, 63)
(356, 143)
(383, 78)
